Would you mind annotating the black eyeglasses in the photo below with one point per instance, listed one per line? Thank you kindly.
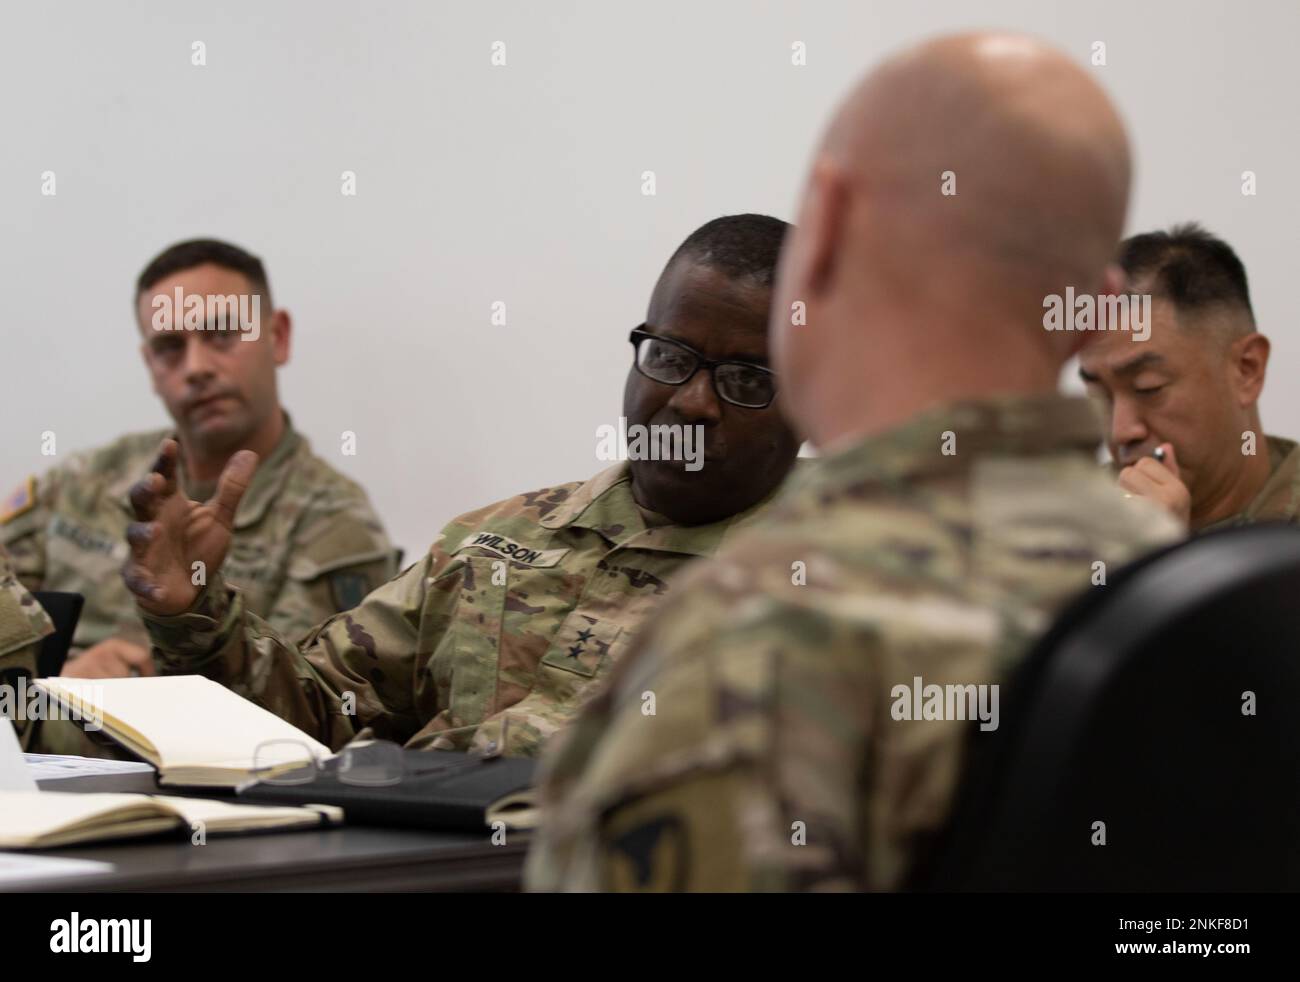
(673, 363)
(369, 763)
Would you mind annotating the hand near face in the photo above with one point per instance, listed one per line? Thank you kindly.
(1159, 482)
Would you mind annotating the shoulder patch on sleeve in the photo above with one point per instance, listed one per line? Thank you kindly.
(348, 589)
(19, 502)
(651, 857)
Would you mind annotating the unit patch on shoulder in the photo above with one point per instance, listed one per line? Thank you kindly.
(650, 858)
(21, 501)
(348, 589)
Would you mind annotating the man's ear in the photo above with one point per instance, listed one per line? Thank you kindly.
(281, 333)
(1113, 281)
(822, 222)
(1250, 362)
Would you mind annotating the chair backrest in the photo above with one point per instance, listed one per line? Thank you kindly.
(1151, 740)
(64, 610)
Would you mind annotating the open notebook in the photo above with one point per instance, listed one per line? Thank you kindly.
(196, 732)
(44, 819)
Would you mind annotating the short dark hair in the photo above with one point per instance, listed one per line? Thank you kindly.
(196, 252)
(1187, 266)
(741, 246)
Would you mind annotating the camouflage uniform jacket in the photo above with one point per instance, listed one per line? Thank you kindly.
(518, 610)
(23, 623)
(1279, 499)
(752, 740)
(306, 544)
(306, 541)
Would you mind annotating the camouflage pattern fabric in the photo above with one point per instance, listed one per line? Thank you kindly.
(1279, 499)
(23, 623)
(306, 544)
(752, 740)
(516, 613)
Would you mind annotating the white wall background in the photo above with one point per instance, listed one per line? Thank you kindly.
(480, 183)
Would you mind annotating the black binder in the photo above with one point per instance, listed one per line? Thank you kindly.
(457, 800)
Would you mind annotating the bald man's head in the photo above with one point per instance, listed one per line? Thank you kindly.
(958, 184)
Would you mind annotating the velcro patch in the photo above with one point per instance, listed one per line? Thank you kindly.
(652, 857)
(22, 500)
(348, 589)
(508, 548)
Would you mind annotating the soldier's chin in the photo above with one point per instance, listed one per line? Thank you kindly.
(680, 494)
(678, 472)
(217, 430)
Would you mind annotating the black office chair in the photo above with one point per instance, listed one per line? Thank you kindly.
(1130, 712)
(64, 610)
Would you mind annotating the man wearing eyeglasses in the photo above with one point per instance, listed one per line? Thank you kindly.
(956, 508)
(519, 608)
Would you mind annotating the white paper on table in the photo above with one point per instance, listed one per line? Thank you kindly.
(19, 866)
(14, 772)
(44, 767)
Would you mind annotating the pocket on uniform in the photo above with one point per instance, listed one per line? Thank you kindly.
(470, 662)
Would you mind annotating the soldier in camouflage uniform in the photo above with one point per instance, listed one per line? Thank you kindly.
(519, 609)
(23, 623)
(1191, 389)
(757, 737)
(306, 542)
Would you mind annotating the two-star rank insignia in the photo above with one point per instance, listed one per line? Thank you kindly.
(583, 638)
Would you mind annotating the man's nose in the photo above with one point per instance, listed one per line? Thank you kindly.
(695, 401)
(198, 359)
(1127, 427)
